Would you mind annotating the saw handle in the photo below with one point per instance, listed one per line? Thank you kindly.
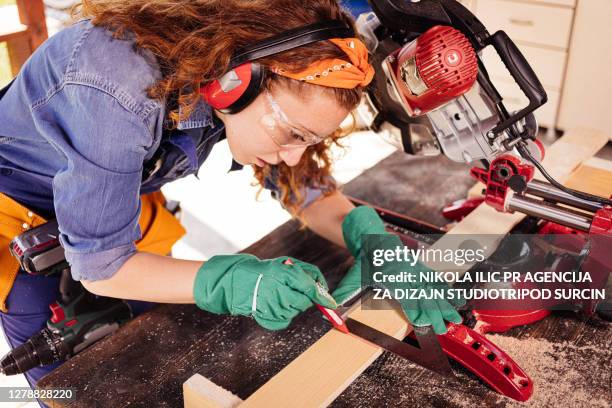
(334, 318)
(523, 75)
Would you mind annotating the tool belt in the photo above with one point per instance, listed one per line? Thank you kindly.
(159, 228)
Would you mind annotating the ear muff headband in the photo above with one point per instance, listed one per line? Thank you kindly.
(237, 88)
(291, 39)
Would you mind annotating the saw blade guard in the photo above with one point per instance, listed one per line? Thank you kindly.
(426, 55)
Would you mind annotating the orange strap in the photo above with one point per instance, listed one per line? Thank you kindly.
(160, 230)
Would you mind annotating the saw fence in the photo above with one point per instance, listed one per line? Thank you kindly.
(222, 361)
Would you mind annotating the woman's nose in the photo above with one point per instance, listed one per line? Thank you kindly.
(291, 155)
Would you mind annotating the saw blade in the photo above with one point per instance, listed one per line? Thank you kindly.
(429, 355)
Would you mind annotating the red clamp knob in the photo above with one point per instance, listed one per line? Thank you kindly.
(497, 178)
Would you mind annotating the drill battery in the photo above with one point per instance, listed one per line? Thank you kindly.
(38, 250)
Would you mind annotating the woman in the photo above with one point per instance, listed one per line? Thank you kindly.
(120, 103)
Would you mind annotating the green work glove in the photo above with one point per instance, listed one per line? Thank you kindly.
(269, 290)
(364, 220)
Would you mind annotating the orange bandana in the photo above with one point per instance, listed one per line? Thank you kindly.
(338, 73)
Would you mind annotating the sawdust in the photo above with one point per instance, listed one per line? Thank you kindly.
(561, 372)
(564, 375)
(391, 381)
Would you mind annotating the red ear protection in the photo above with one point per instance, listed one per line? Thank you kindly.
(236, 89)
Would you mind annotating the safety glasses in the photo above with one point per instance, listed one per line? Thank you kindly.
(279, 128)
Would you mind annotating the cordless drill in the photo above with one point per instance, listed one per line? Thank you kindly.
(78, 319)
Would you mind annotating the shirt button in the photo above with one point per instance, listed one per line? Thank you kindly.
(25, 226)
(30, 214)
(6, 172)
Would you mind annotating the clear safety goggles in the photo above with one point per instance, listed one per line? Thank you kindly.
(282, 132)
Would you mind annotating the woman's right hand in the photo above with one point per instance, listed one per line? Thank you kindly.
(365, 221)
(273, 291)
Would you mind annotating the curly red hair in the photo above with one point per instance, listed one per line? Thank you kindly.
(193, 41)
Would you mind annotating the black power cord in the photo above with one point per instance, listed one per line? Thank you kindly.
(580, 194)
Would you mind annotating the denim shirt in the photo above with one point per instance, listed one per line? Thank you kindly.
(79, 138)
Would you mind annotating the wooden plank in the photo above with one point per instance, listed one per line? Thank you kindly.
(570, 151)
(592, 180)
(321, 373)
(598, 163)
(200, 392)
(314, 373)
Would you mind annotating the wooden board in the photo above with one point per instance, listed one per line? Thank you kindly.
(200, 392)
(592, 180)
(320, 374)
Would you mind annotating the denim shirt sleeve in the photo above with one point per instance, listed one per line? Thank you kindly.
(310, 193)
(96, 194)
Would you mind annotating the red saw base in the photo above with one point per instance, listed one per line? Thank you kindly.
(487, 361)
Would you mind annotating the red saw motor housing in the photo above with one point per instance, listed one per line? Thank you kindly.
(435, 68)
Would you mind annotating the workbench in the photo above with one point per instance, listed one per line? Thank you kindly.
(147, 361)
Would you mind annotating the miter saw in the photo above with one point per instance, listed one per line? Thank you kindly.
(432, 94)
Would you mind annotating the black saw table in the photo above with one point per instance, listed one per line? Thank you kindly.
(146, 362)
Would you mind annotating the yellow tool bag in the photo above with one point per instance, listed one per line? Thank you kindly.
(160, 230)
